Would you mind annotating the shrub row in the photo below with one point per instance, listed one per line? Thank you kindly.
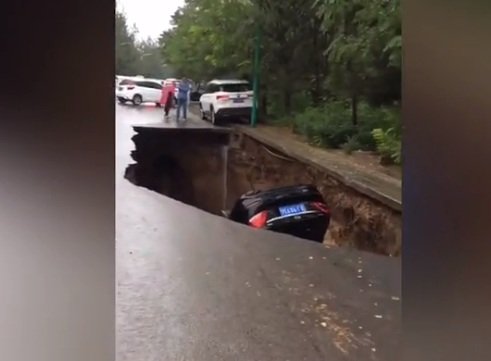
(331, 126)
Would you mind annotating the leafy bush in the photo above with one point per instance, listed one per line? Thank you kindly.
(327, 126)
(371, 118)
(308, 122)
(388, 144)
(351, 145)
(330, 126)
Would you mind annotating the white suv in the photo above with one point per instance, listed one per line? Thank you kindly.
(139, 91)
(226, 99)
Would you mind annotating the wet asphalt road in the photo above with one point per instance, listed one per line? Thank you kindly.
(193, 286)
(128, 116)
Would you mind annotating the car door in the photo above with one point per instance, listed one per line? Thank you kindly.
(207, 97)
(204, 98)
(155, 90)
(143, 90)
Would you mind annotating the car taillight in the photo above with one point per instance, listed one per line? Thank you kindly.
(321, 207)
(222, 97)
(259, 220)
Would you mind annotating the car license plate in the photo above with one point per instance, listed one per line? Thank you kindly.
(238, 100)
(292, 210)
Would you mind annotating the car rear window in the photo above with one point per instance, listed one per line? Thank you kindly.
(149, 84)
(126, 82)
(154, 85)
(235, 87)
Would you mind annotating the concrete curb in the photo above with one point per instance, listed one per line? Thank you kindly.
(354, 180)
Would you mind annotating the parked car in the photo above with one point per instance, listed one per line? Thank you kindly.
(224, 99)
(123, 78)
(126, 81)
(170, 80)
(298, 210)
(139, 91)
(160, 81)
(197, 91)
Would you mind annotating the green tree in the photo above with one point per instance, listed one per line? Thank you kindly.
(209, 39)
(292, 50)
(127, 54)
(151, 63)
(365, 52)
(333, 65)
(312, 50)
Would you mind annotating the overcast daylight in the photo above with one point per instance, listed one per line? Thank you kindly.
(151, 17)
(258, 183)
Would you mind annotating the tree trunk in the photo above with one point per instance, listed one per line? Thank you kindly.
(264, 104)
(316, 94)
(354, 110)
(287, 99)
(316, 91)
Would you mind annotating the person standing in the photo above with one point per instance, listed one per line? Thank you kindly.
(183, 91)
(168, 97)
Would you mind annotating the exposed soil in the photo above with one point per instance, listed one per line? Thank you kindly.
(182, 165)
(211, 175)
(357, 220)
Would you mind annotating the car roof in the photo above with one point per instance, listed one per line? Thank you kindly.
(228, 81)
(145, 80)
